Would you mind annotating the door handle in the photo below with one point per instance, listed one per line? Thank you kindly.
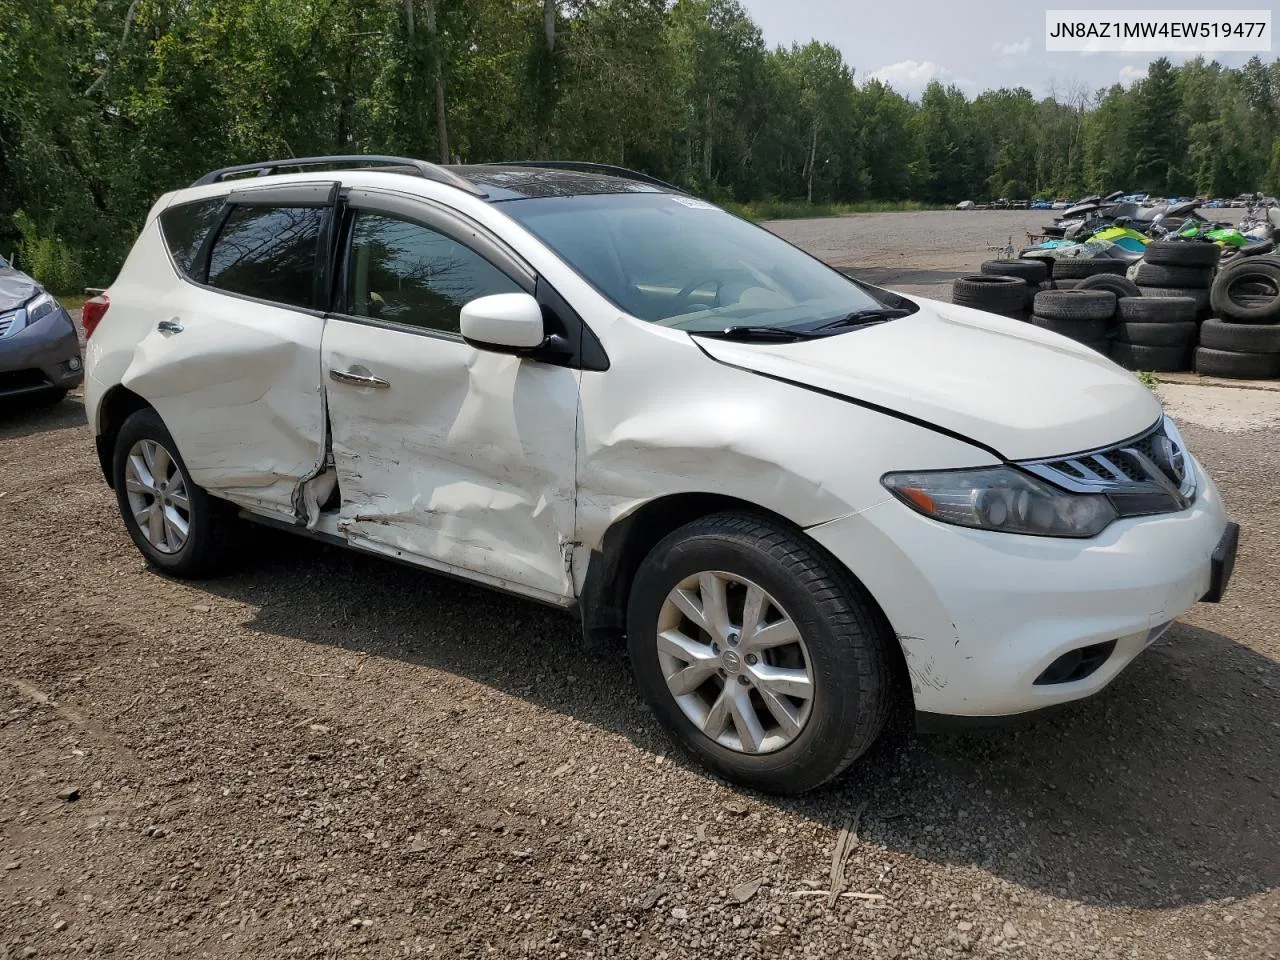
(169, 326)
(358, 380)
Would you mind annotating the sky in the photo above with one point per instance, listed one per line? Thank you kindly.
(975, 44)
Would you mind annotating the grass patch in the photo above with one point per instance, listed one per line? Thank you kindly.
(1149, 379)
(798, 209)
(72, 301)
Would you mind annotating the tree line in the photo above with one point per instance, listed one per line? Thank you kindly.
(104, 104)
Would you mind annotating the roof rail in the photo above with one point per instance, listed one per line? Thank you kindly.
(421, 168)
(583, 166)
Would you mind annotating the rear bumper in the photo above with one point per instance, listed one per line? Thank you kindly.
(982, 616)
(41, 358)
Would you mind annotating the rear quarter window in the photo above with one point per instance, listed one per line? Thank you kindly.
(268, 253)
(185, 227)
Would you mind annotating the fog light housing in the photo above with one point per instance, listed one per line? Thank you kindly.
(74, 364)
(1076, 664)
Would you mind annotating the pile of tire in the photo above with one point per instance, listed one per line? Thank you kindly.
(1243, 341)
(1085, 316)
(1004, 287)
(1033, 273)
(1179, 268)
(1155, 333)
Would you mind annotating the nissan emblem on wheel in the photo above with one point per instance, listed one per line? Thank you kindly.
(804, 501)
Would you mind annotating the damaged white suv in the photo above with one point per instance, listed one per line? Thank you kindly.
(802, 498)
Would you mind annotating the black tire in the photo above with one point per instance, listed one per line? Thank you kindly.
(1159, 334)
(1098, 346)
(1167, 275)
(1236, 365)
(1076, 305)
(848, 646)
(1229, 300)
(993, 294)
(1157, 310)
(212, 523)
(1182, 253)
(1075, 268)
(1120, 286)
(1134, 356)
(1031, 271)
(1068, 283)
(1199, 294)
(1082, 330)
(1240, 337)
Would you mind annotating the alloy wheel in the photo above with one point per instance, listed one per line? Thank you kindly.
(158, 496)
(735, 662)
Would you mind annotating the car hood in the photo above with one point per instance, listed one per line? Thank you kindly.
(1010, 386)
(16, 288)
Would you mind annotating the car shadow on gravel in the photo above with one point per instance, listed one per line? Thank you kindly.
(20, 417)
(1164, 790)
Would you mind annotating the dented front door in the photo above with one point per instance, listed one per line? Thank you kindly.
(457, 458)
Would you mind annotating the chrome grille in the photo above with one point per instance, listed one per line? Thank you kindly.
(1151, 473)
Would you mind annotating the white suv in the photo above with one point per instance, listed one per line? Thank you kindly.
(802, 498)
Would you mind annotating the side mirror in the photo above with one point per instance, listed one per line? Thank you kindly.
(504, 322)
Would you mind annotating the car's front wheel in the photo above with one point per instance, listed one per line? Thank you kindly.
(179, 528)
(758, 652)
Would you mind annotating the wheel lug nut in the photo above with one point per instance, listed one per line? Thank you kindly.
(743, 680)
(733, 639)
(752, 659)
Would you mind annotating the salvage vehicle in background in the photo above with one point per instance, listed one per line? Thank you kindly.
(803, 499)
(39, 349)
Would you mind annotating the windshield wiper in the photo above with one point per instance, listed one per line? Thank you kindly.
(781, 334)
(863, 318)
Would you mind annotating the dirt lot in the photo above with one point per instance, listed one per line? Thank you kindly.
(325, 755)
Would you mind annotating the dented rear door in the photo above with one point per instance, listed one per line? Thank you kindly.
(232, 361)
(456, 458)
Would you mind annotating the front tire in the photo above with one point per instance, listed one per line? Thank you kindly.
(178, 527)
(758, 652)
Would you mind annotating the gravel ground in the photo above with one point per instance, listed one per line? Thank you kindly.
(327, 755)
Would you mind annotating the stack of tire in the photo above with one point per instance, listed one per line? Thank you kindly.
(1085, 316)
(1068, 273)
(1243, 341)
(1179, 268)
(1155, 333)
(994, 293)
(1033, 273)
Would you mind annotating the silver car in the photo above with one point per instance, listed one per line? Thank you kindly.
(39, 349)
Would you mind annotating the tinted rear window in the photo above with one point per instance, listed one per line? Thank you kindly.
(185, 227)
(268, 253)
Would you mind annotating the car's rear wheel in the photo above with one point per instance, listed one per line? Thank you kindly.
(179, 528)
(758, 652)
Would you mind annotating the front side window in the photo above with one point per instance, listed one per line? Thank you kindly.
(268, 253)
(403, 272)
(185, 227)
(680, 262)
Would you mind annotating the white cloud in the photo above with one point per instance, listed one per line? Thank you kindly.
(1019, 48)
(1129, 73)
(910, 77)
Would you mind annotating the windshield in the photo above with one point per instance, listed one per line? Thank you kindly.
(681, 262)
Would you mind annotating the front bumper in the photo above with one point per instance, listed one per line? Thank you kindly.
(41, 357)
(981, 616)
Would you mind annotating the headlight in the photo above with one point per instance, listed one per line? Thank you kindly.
(41, 306)
(1001, 499)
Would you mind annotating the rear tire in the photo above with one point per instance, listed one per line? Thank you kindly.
(188, 533)
(842, 644)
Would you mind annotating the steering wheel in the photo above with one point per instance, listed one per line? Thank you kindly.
(693, 286)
